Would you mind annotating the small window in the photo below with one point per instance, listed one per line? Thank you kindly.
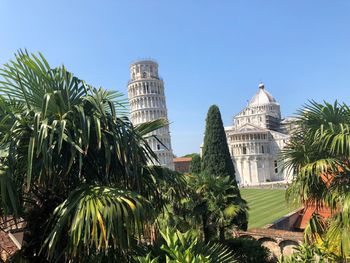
(158, 147)
(262, 149)
(144, 75)
(244, 150)
(276, 168)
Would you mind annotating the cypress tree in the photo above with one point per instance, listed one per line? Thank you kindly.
(216, 159)
(195, 166)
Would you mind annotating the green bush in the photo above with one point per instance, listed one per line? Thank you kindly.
(176, 247)
(311, 254)
(216, 160)
(195, 166)
(248, 250)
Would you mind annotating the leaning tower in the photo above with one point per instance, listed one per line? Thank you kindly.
(147, 103)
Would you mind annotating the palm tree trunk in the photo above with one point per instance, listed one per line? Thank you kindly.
(205, 227)
(221, 233)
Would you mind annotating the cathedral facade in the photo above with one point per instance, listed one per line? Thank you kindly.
(256, 138)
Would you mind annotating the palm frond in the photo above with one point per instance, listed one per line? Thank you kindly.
(315, 228)
(62, 139)
(184, 247)
(338, 233)
(96, 218)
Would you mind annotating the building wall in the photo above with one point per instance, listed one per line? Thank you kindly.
(257, 161)
(258, 115)
(182, 164)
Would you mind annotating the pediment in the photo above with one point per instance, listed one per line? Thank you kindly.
(250, 128)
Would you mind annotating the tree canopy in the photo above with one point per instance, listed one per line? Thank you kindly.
(72, 166)
(216, 159)
(319, 154)
(195, 165)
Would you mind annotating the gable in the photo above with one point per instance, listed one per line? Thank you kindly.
(248, 127)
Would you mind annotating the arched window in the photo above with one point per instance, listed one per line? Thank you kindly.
(244, 150)
(276, 167)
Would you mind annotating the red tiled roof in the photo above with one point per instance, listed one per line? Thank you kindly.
(182, 159)
(324, 211)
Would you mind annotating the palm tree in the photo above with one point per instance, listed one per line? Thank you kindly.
(219, 201)
(210, 203)
(73, 165)
(319, 153)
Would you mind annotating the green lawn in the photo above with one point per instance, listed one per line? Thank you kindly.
(265, 206)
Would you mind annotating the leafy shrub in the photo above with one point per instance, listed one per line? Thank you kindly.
(248, 250)
(186, 248)
(311, 254)
(195, 166)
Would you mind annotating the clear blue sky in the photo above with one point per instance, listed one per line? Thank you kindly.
(209, 52)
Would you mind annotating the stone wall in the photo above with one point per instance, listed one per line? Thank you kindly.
(11, 236)
(287, 222)
(7, 246)
(281, 237)
(279, 242)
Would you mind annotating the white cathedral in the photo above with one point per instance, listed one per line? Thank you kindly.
(255, 139)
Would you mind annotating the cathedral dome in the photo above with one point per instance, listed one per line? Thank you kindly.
(262, 97)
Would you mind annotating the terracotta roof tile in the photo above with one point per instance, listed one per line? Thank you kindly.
(182, 159)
